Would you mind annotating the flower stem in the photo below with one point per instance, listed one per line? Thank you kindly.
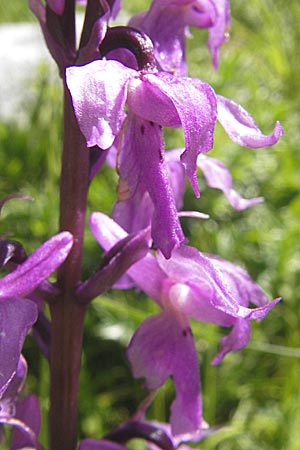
(67, 316)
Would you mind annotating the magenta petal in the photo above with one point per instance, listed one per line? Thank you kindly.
(174, 101)
(218, 176)
(135, 213)
(225, 287)
(166, 28)
(241, 127)
(16, 318)
(176, 175)
(163, 346)
(237, 339)
(142, 164)
(37, 267)
(240, 283)
(166, 23)
(16, 383)
(218, 32)
(29, 416)
(188, 265)
(99, 92)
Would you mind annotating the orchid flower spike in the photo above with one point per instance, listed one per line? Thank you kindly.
(190, 285)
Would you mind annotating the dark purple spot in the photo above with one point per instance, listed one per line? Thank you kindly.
(187, 331)
(142, 129)
(151, 123)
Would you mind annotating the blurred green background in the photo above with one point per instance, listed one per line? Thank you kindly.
(254, 392)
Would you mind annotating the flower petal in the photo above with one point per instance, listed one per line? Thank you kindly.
(16, 383)
(241, 127)
(227, 288)
(37, 267)
(99, 92)
(166, 22)
(174, 101)
(237, 339)
(29, 416)
(16, 318)
(142, 166)
(218, 176)
(218, 32)
(163, 346)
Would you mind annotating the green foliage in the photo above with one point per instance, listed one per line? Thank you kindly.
(255, 392)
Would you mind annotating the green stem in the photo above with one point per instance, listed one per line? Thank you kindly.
(67, 316)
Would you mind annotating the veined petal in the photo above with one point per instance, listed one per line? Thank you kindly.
(241, 127)
(99, 92)
(163, 346)
(240, 283)
(218, 176)
(174, 101)
(189, 266)
(16, 318)
(227, 288)
(37, 267)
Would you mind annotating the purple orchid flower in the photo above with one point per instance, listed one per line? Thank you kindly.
(19, 314)
(166, 24)
(99, 92)
(188, 285)
(23, 415)
(154, 99)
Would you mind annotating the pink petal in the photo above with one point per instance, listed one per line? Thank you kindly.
(241, 127)
(99, 92)
(163, 346)
(37, 267)
(218, 176)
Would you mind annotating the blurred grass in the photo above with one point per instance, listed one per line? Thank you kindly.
(255, 391)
